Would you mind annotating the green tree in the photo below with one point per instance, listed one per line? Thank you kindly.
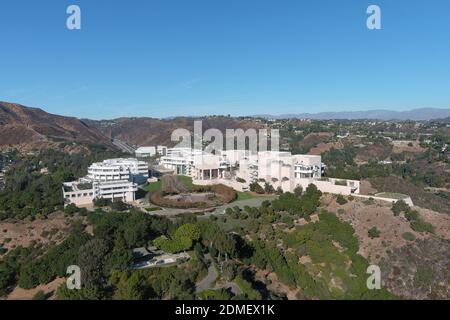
(88, 293)
(373, 233)
(255, 187)
(91, 259)
(298, 191)
(341, 200)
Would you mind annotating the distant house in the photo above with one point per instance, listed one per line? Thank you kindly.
(147, 152)
(343, 135)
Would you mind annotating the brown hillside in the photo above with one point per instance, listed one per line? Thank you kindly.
(419, 196)
(150, 131)
(32, 128)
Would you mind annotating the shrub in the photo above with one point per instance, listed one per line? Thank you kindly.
(268, 188)
(153, 209)
(101, 202)
(374, 233)
(71, 209)
(341, 200)
(279, 191)
(228, 194)
(288, 220)
(412, 215)
(422, 226)
(119, 205)
(219, 294)
(255, 187)
(409, 236)
(298, 191)
(40, 295)
(247, 289)
(400, 206)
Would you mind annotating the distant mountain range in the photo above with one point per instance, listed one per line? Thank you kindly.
(422, 114)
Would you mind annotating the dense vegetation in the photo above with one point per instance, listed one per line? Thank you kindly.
(33, 183)
(115, 234)
(289, 240)
(239, 244)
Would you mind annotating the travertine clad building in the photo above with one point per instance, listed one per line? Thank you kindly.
(239, 168)
(111, 179)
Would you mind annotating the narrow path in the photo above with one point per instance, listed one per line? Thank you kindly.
(206, 283)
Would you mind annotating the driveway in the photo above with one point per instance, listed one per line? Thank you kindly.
(207, 282)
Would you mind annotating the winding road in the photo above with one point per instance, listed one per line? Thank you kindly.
(206, 283)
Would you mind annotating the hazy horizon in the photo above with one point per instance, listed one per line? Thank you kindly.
(442, 113)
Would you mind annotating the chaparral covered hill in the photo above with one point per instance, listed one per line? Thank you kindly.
(150, 131)
(32, 128)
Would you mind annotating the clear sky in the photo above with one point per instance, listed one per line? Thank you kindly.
(164, 58)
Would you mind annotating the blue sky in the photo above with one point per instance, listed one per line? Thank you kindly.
(163, 58)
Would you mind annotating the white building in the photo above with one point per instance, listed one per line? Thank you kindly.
(161, 150)
(119, 169)
(239, 168)
(113, 179)
(147, 152)
(180, 160)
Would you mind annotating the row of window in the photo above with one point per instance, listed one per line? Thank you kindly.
(79, 195)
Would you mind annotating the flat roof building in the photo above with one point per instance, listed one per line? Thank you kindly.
(113, 179)
(148, 152)
(145, 152)
(240, 168)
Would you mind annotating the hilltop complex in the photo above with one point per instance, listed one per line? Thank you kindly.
(239, 168)
(114, 179)
(118, 179)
